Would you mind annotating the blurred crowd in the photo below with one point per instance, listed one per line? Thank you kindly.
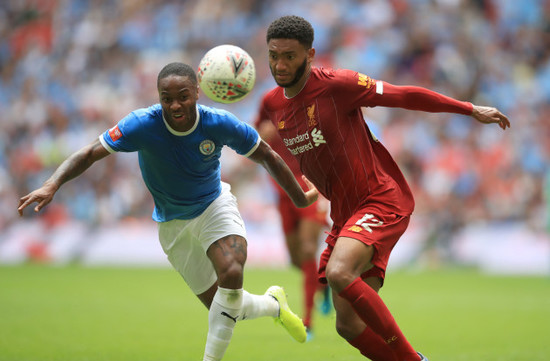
(70, 69)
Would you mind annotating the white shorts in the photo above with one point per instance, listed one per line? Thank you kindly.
(185, 241)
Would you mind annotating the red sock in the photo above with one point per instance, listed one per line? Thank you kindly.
(309, 271)
(371, 309)
(372, 346)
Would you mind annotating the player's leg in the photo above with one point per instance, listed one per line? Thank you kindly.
(228, 256)
(302, 228)
(350, 327)
(326, 299)
(351, 258)
(186, 243)
(185, 251)
(290, 222)
(308, 234)
(292, 243)
(207, 296)
(254, 306)
(222, 222)
(220, 233)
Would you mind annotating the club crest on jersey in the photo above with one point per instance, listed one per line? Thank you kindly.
(207, 147)
(311, 121)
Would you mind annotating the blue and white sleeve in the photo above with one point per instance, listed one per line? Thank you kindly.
(118, 138)
(240, 136)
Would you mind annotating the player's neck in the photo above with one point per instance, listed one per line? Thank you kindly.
(296, 89)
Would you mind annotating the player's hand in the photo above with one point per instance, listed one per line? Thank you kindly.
(312, 194)
(488, 115)
(42, 196)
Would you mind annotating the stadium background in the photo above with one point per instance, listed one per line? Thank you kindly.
(71, 69)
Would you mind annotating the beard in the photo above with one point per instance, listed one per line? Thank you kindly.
(299, 73)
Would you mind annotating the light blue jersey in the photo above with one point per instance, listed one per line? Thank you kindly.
(181, 169)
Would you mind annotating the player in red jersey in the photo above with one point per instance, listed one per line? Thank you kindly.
(318, 116)
(302, 227)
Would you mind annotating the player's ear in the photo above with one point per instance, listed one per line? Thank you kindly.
(310, 55)
(198, 91)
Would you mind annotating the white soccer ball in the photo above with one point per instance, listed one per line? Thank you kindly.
(226, 74)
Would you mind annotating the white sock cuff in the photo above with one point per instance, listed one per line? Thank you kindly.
(230, 298)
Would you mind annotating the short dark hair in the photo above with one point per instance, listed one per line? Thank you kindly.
(291, 27)
(180, 69)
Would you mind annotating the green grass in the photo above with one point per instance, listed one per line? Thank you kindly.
(123, 314)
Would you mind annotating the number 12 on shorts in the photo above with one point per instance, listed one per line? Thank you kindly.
(369, 221)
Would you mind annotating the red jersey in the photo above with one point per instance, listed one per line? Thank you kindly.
(324, 128)
(278, 146)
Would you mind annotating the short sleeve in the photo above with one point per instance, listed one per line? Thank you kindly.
(238, 135)
(121, 137)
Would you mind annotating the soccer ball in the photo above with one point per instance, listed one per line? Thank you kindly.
(226, 74)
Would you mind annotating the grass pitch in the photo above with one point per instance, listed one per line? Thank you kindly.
(122, 314)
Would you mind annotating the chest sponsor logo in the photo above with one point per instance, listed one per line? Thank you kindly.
(207, 147)
(115, 133)
(304, 142)
(318, 138)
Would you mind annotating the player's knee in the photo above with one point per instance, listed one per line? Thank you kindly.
(338, 276)
(231, 276)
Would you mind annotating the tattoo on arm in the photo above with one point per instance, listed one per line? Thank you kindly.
(77, 163)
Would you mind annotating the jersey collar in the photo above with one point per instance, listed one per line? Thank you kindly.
(180, 134)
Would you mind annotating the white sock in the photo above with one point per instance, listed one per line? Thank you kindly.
(224, 312)
(255, 306)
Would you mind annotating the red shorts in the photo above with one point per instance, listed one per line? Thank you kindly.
(291, 215)
(373, 227)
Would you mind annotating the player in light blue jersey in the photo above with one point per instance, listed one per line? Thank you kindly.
(172, 160)
(179, 144)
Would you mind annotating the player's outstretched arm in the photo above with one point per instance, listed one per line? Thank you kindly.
(71, 168)
(278, 169)
(488, 115)
(419, 98)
